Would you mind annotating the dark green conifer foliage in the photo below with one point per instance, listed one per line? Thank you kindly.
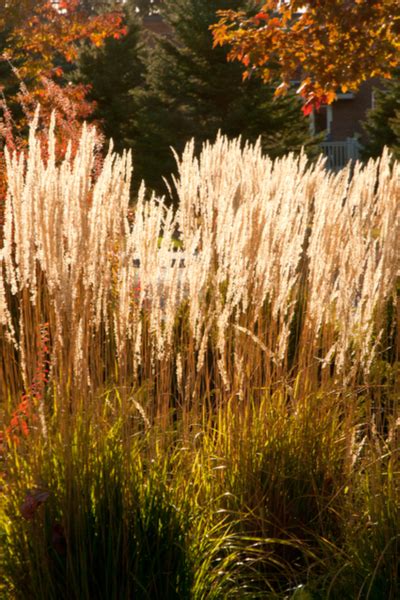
(192, 91)
(382, 125)
(395, 125)
(114, 71)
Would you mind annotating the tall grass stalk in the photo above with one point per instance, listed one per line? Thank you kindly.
(200, 402)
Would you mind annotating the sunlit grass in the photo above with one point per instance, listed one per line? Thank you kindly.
(214, 418)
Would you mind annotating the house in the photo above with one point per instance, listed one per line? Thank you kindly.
(155, 26)
(341, 122)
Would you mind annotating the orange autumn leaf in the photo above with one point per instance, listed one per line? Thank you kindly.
(24, 428)
(43, 30)
(334, 44)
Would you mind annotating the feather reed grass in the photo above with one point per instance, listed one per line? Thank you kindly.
(201, 402)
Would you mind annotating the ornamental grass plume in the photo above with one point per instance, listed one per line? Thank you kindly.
(60, 236)
(354, 258)
(209, 394)
(280, 263)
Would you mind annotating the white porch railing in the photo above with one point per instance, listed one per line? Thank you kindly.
(340, 153)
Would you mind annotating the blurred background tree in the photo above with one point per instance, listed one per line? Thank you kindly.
(183, 88)
(114, 71)
(40, 42)
(382, 125)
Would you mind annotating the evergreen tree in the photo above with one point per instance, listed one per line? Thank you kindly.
(395, 125)
(192, 91)
(382, 124)
(113, 71)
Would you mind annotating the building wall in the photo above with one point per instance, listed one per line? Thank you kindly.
(348, 114)
(155, 25)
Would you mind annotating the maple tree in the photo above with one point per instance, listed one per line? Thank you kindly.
(328, 44)
(49, 31)
(40, 39)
